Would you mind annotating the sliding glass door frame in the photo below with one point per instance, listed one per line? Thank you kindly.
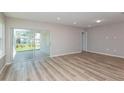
(13, 42)
(34, 51)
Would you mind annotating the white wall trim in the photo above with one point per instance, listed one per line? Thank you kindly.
(105, 54)
(66, 54)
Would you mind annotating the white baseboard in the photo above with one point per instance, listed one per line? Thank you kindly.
(66, 54)
(7, 64)
(105, 54)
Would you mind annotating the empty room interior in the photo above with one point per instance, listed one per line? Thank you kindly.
(61, 46)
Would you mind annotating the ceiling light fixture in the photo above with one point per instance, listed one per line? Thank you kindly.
(98, 21)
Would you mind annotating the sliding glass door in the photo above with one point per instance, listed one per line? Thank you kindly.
(37, 47)
(23, 45)
(30, 45)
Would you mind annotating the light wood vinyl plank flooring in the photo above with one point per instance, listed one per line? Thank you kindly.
(76, 67)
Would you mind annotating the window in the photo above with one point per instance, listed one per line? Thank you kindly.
(2, 42)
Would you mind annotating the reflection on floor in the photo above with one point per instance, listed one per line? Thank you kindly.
(27, 56)
(82, 66)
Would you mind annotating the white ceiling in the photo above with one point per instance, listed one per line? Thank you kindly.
(82, 19)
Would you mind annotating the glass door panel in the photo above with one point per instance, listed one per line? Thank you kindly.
(23, 45)
(30, 45)
(37, 45)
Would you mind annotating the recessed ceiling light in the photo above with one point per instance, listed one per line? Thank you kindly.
(74, 23)
(58, 18)
(98, 21)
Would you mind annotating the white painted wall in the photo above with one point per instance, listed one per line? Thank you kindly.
(64, 39)
(107, 39)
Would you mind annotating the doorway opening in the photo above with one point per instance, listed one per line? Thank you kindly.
(30, 45)
(84, 41)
